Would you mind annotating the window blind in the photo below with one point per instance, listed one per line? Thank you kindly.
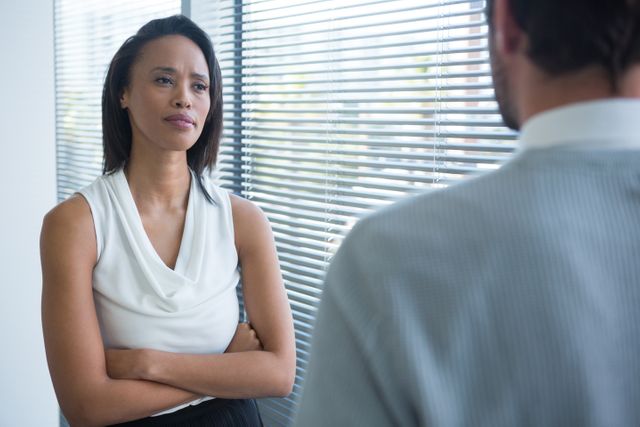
(334, 108)
(87, 35)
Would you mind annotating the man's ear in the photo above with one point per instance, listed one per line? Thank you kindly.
(507, 35)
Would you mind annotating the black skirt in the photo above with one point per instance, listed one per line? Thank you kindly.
(212, 413)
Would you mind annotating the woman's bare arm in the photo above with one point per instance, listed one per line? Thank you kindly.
(75, 352)
(270, 372)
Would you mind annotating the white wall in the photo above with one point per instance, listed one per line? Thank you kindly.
(27, 192)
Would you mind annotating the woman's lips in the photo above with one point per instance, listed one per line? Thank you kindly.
(181, 121)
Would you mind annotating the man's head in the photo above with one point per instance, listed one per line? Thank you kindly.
(560, 38)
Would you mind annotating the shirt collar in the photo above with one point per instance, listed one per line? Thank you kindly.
(611, 123)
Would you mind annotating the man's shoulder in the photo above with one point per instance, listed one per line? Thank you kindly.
(427, 237)
(446, 209)
(431, 226)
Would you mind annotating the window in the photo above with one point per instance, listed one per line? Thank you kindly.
(87, 35)
(333, 108)
(337, 107)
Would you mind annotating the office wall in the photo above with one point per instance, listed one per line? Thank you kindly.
(27, 192)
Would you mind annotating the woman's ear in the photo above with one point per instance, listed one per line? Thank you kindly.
(124, 99)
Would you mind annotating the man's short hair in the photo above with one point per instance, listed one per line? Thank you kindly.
(568, 35)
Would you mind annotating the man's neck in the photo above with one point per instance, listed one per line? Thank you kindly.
(539, 92)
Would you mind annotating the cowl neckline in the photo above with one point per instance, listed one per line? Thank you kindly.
(171, 285)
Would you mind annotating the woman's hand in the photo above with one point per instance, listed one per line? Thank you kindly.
(125, 364)
(245, 339)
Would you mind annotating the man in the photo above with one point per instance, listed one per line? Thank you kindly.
(512, 298)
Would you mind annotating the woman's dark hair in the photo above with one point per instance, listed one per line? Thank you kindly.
(567, 35)
(116, 128)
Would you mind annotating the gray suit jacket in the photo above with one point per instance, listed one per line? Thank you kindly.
(509, 299)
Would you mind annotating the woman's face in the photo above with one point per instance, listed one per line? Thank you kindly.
(168, 94)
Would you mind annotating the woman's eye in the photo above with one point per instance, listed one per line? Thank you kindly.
(201, 87)
(164, 80)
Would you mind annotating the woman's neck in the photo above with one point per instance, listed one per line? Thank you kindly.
(158, 180)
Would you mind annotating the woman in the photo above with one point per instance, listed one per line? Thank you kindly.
(139, 309)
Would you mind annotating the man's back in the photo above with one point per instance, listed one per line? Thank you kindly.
(511, 299)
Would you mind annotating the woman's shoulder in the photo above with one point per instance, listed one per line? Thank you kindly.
(244, 209)
(69, 225)
(250, 223)
(77, 208)
(71, 213)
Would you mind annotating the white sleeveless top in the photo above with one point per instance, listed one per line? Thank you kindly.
(142, 303)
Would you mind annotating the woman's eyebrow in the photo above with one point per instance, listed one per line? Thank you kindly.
(200, 76)
(172, 70)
